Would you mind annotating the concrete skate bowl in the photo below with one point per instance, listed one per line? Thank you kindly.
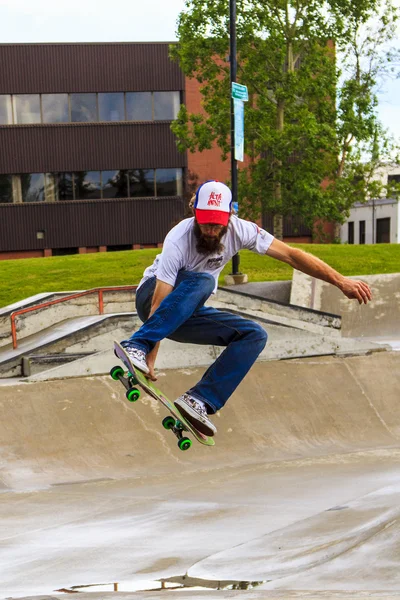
(299, 496)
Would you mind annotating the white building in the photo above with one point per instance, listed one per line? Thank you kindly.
(376, 221)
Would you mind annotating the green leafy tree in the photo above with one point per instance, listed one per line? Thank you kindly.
(310, 118)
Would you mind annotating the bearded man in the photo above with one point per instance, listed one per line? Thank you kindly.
(170, 299)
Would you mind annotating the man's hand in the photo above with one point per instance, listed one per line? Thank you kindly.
(151, 360)
(161, 291)
(356, 289)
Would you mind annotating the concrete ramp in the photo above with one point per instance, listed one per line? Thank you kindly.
(299, 493)
(79, 429)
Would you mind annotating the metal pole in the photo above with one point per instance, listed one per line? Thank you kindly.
(373, 220)
(233, 69)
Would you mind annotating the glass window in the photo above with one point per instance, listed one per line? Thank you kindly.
(55, 108)
(362, 232)
(87, 185)
(26, 108)
(5, 110)
(350, 234)
(139, 106)
(141, 183)
(50, 187)
(32, 187)
(64, 186)
(391, 178)
(166, 105)
(6, 193)
(83, 108)
(169, 182)
(111, 107)
(115, 184)
(383, 231)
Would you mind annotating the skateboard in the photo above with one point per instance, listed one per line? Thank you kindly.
(176, 422)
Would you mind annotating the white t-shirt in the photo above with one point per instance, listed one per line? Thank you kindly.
(179, 250)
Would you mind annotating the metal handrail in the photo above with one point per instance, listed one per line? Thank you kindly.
(98, 291)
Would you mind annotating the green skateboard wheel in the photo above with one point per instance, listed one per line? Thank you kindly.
(168, 422)
(184, 443)
(133, 394)
(116, 373)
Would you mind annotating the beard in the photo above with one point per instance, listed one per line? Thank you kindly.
(206, 244)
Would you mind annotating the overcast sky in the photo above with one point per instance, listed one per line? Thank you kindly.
(123, 21)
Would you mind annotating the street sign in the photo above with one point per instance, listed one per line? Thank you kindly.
(238, 106)
(240, 92)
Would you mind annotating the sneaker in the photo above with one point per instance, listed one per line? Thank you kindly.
(137, 358)
(195, 412)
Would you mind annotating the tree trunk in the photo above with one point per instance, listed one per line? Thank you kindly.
(280, 123)
(278, 219)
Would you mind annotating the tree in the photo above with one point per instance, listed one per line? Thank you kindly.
(309, 116)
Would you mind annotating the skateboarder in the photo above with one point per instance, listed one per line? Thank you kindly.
(170, 299)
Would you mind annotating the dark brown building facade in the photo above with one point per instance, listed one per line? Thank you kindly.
(87, 158)
(88, 161)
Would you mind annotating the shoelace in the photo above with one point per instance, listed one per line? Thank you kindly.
(136, 353)
(196, 405)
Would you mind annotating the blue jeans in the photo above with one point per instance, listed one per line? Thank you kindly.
(182, 317)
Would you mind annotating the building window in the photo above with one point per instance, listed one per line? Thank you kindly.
(166, 105)
(93, 185)
(141, 183)
(168, 182)
(111, 107)
(114, 184)
(84, 108)
(350, 237)
(6, 192)
(87, 185)
(383, 231)
(139, 106)
(64, 186)
(394, 183)
(394, 178)
(5, 110)
(55, 108)
(33, 187)
(26, 109)
(50, 187)
(362, 232)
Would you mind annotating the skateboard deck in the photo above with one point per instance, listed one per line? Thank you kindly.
(176, 422)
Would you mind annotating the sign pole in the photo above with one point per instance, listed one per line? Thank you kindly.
(233, 75)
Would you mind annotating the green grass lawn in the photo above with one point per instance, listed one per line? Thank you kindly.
(25, 277)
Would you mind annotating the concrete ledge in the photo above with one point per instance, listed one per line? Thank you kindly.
(248, 302)
(238, 279)
(381, 317)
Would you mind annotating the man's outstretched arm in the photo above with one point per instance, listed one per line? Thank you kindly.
(311, 265)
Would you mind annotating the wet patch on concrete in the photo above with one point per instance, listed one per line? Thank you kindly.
(83, 481)
(190, 582)
(159, 565)
(177, 582)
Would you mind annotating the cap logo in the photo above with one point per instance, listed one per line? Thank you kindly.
(214, 199)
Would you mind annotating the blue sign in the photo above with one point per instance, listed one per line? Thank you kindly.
(238, 107)
(239, 91)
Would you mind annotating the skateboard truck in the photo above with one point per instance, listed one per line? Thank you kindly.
(129, 381)
(133, 378)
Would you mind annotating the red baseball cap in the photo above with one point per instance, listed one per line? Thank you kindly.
(213, 203)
